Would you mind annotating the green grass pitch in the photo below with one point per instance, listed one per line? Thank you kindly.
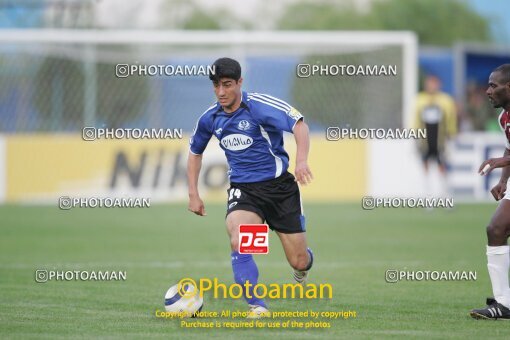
(159, 245)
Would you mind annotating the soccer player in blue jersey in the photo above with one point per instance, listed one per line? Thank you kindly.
(250, 129)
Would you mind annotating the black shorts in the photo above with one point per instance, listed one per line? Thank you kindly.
(432, 150)
(276, 201)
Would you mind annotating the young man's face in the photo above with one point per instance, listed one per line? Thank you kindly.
(228, 93)
(432, 84)
(498, 91)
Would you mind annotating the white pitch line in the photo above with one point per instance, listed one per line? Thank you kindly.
(204, 264)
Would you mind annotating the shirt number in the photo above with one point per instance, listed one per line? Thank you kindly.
(234, 192)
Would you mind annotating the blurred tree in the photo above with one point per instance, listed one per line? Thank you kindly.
(321, 16)
(199, 20)
(120, 101)
(187, 15)
(436, 22)
(59, 95)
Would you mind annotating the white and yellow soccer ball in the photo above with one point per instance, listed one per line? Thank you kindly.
(184, 299)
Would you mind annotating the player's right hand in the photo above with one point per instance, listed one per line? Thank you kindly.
(302, 173)
(196, 206)
(499, 190)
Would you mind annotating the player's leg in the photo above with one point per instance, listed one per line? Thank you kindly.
(234, 219)
(425, 155)
(425, 163)
(243, 265)
(498, 261)
(299, 256)
(440, 163)
(498, 264)
(430, 155)
(283, 212)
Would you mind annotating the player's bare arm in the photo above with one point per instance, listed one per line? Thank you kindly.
(502, 162)
(195, 205)
(493, 163)
(302, 172)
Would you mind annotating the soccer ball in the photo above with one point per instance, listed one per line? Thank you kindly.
(187, 301)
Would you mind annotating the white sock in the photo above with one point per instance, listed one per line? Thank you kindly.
(498, 263)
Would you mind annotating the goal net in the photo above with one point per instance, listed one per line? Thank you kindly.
(63, 80)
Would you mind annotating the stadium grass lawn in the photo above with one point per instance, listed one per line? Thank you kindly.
(159, 245)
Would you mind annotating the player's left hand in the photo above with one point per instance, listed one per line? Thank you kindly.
(303, 173)
(492, 164)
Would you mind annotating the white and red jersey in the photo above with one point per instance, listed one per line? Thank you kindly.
(504, 124)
